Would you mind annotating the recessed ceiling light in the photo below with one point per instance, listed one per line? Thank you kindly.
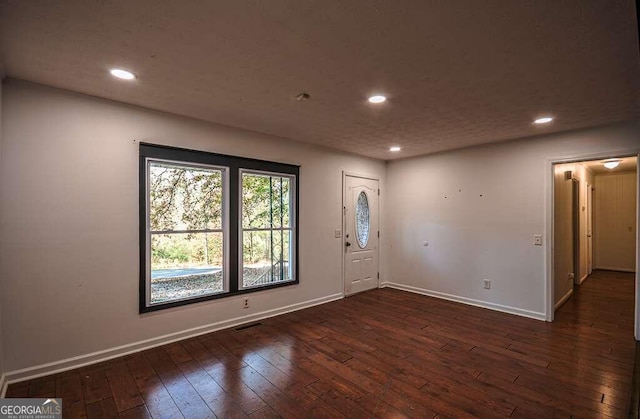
(122, 74)
(394, 148)
(543, 120)
(611, 164)
(377, 99)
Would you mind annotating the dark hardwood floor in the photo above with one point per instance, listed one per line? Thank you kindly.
(383, 353)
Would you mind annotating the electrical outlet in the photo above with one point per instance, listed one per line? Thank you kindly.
(246, 303)
(486, 283)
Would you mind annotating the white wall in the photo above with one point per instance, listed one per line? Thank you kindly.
(69, 220)
(472, 237)
(615, 224)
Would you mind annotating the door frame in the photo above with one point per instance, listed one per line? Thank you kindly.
(575, 221)
(346, 174)
(549, 224)
(590, 230)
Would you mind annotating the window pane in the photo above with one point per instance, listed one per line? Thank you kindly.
(281, 187)
(266, 257)
(186, 265)
(362, 220)
(282, 255)
(265, 201)
(256, 258)
(256, 201)
(184, 198)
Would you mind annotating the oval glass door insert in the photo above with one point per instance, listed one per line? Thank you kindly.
(362, 220)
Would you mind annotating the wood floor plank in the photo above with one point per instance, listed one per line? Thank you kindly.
(301, 376)
(182, 392)
(382, 353)
(346, 405)
(102, 409)
(95, 386)
(265, 413)
(43, 387)
(321, 409)
(213, 395)
(69, 388)
(285, 406)
(18, 390)
(244, 396)
(123, 387)
(139, 412)
(157, 399)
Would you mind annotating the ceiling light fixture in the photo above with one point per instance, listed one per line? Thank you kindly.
(611, 164)
(395, 148)
(122, 74)
(377, 99)
(543, 120)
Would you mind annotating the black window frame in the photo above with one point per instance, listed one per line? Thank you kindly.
(242, 229)
(235, 165)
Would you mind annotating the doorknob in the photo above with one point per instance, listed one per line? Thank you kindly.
(347, 244)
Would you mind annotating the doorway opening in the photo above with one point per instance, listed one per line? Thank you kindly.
(595, 218)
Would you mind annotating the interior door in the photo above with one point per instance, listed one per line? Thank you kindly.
(361, 234)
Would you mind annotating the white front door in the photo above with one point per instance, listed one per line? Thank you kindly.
(361, 234)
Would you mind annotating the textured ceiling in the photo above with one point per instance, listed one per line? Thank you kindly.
(457, 73)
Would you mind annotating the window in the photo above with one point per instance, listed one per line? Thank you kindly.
(186, 228)
(362, 220)
(267, 232)
(213, 226)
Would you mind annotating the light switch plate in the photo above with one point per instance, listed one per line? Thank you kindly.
(338, 234)
(537, 239)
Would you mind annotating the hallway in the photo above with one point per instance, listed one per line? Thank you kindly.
(600, 316)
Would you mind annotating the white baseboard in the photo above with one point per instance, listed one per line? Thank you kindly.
(55, 367)
(564, 299)
(607, 268)
(468, 301)
(3, 385)
(583, 278)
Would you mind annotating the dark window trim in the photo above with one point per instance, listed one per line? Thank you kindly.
(293, 221)
(235, 164)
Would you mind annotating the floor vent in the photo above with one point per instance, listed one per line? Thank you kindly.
(247, 326)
